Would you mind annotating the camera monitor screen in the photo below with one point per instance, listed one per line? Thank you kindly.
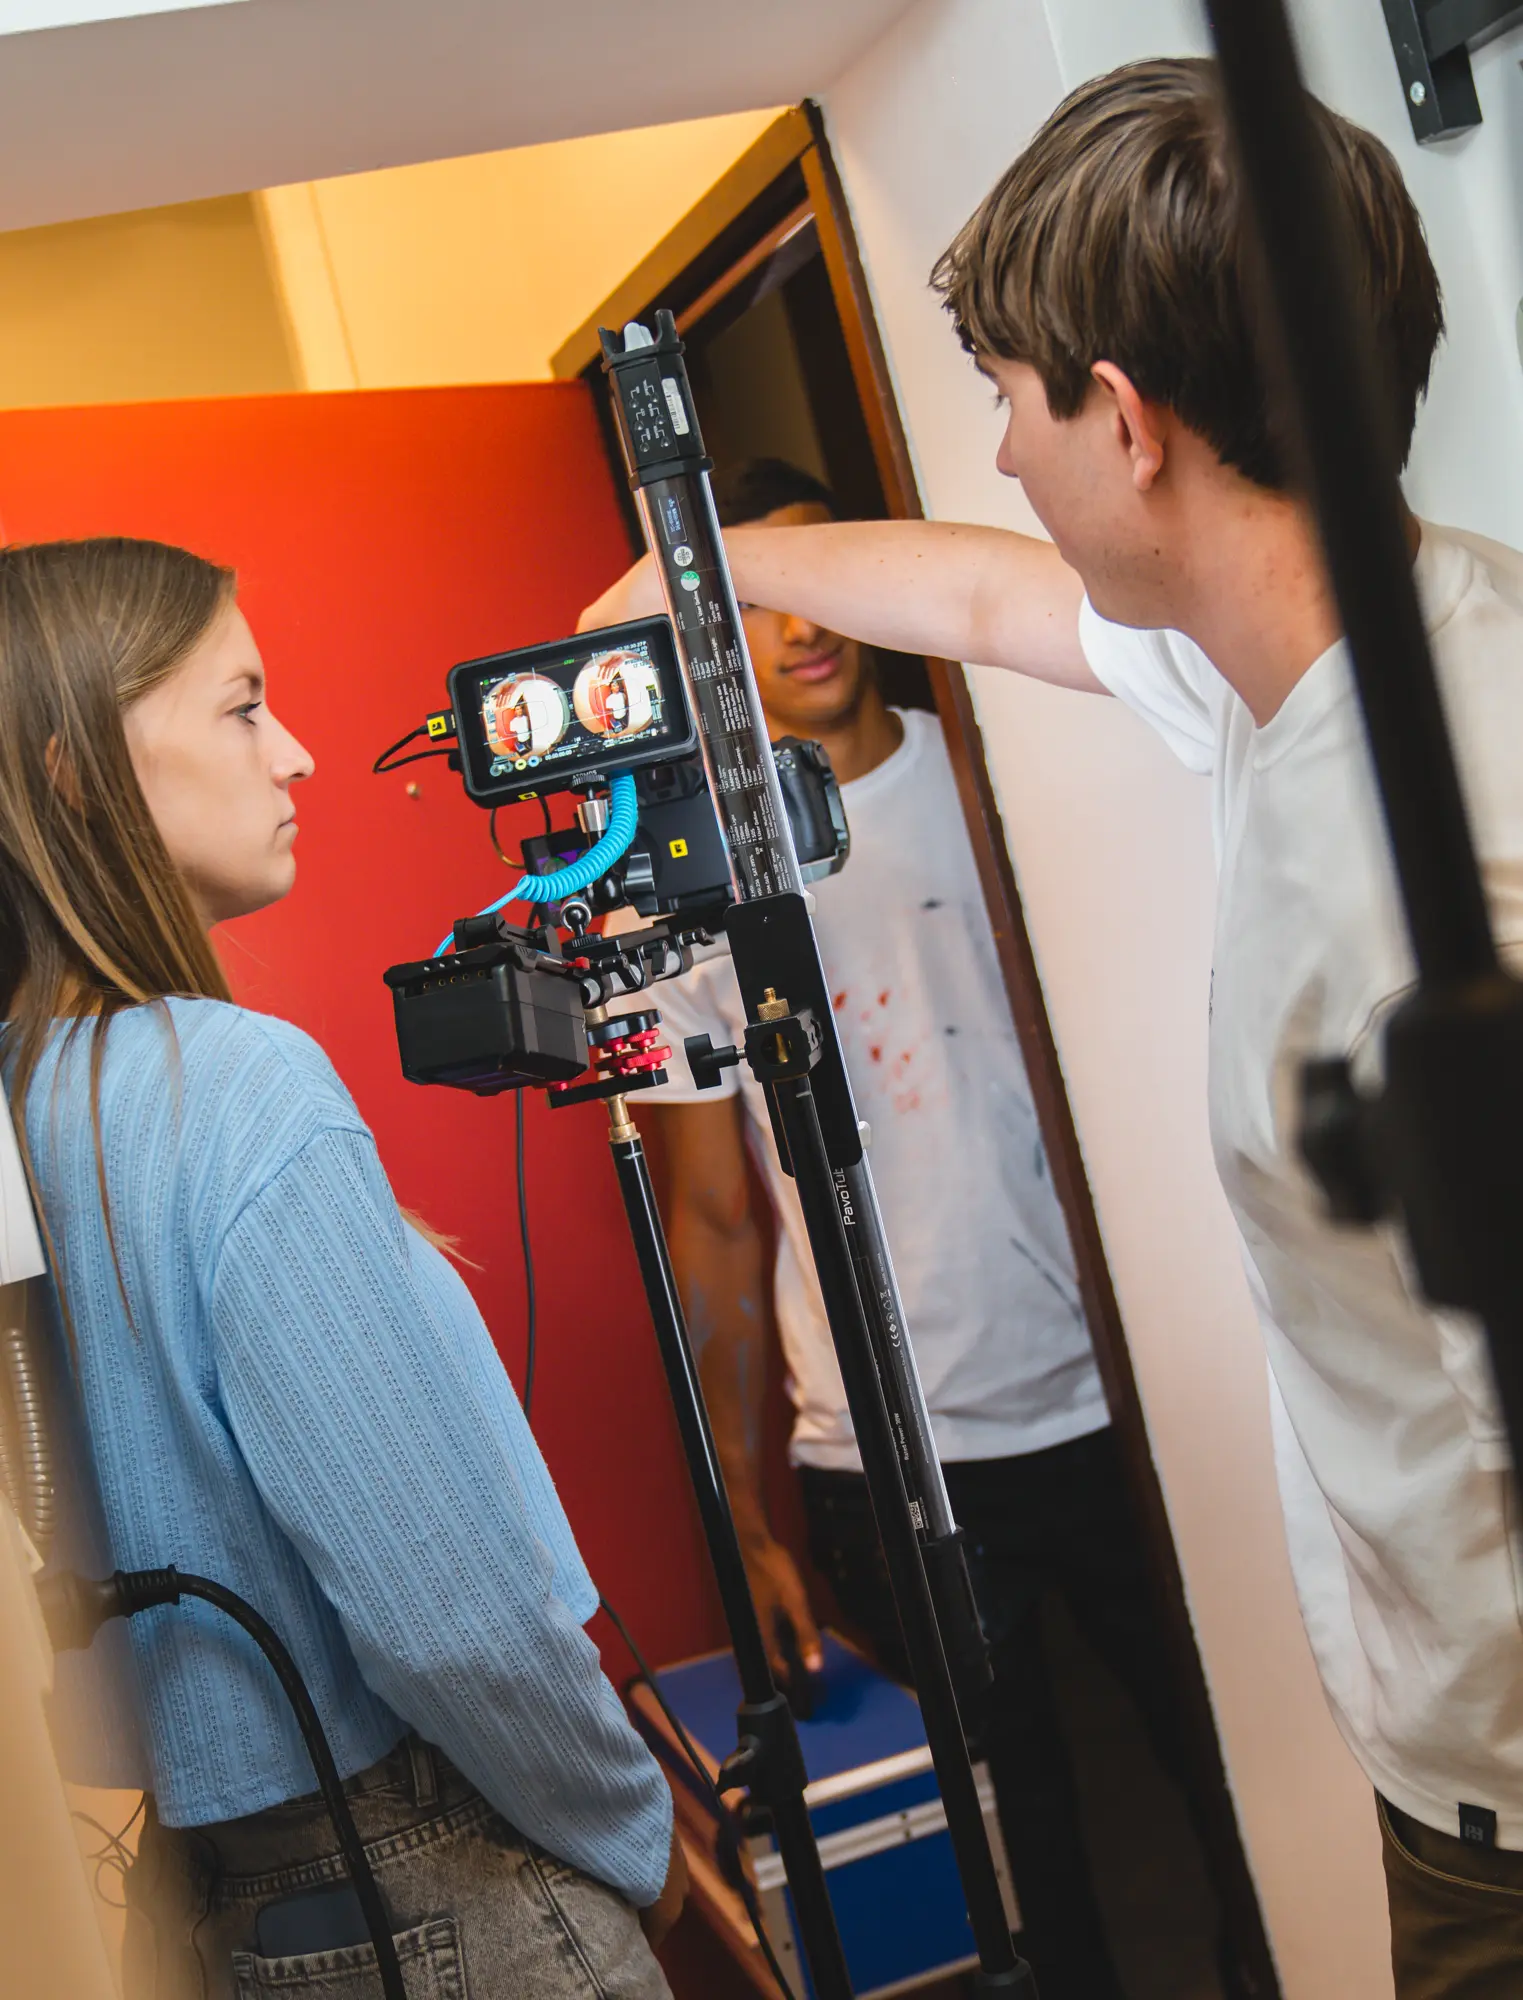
(538, 719)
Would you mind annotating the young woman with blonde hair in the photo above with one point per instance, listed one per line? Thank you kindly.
(281, 1384)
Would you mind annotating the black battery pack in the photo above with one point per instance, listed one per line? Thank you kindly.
(490, 1019)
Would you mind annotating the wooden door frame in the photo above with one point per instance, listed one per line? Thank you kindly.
(753, 197)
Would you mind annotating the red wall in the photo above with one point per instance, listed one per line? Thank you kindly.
(379, 538)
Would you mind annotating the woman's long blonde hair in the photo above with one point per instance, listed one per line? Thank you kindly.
(94, 916)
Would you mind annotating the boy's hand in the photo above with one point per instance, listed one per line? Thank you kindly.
(777, 1587)
(656, 1921)
(637, 594)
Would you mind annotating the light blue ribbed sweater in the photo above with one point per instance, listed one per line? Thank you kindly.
(307, 1406)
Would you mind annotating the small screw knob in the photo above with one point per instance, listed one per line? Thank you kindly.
(707, 1063)
(1418, 92)
(771, 1008)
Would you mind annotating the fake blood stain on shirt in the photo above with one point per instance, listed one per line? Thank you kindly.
(1005, 1354)
(906, 1095)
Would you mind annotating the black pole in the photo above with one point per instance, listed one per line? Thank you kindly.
(774, 952)
(1001, 1970)
(1349, 447)
(1444, 1141)
(770, 1762)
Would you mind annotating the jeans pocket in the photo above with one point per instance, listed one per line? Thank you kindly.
(433, 1968)
(595, 1948)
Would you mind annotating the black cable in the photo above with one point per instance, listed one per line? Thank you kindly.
(400, 744)
(380, 768)
(74, 1610)
(113, 1854)
(528, 1250)
(725, 1813)
(689, 1749)
(383, 762)
(507, 860)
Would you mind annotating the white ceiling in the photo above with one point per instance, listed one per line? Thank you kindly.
(204, 100)
(18, 16)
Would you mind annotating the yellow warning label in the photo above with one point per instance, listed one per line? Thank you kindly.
(677, 849)
(438, 725)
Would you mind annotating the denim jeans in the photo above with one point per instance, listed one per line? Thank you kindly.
(480, 1912)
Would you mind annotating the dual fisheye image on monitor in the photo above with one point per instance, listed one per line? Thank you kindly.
(610, 701)
(528, 716)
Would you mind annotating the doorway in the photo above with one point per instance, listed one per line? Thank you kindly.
(766, 284)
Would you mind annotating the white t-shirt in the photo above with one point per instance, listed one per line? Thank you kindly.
(1388, 1441)
(977, 1237)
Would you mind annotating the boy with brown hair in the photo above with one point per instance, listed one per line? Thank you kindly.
(1106, 290)
(1018, 1413)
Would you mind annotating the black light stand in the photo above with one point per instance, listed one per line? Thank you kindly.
(769, 1761)
(792, 1047)
(1443, 1143)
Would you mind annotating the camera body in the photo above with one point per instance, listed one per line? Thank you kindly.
(677, 861)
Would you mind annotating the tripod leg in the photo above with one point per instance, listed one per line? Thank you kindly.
(1002, 1972)
(941, 1544)
(774, 950)
(773, 1761)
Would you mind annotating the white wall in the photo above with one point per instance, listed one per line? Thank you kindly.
(1111, 847)
(1467, 468)
(54, 1948)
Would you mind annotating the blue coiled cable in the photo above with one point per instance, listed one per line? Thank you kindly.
(611, 846)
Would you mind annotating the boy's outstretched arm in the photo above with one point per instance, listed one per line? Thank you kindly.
(957, 593)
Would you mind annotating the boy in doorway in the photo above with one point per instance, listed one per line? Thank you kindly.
(1105, 290)
(979, 1245)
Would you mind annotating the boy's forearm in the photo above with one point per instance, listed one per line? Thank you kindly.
(732, 1371)
(951, 592)
(931, 587)
(722, 1285)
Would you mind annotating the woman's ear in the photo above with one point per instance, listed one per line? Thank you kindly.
(1138, 427)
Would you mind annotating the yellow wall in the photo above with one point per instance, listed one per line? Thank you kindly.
(475, 270)
(469, 270)
(126, 308)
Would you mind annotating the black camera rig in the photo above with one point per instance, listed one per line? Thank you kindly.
(509, 1008)
(564, 1008)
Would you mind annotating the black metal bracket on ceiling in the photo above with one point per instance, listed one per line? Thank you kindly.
(1432, 40)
